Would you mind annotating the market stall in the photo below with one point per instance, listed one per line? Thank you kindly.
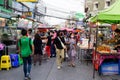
(110, 15)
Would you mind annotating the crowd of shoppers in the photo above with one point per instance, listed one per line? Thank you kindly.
(54, 43)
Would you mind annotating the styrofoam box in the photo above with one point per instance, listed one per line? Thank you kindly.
(109, 68)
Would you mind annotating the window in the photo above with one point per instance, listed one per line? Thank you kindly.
(107, 3)
(96, 6)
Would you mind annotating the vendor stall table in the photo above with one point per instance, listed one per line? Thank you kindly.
(85, 53)
(98, 58)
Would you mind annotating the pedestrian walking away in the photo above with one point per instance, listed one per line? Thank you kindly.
(26, 50)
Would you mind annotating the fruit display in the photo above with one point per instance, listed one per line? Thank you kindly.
(104, 49)
(111, 41)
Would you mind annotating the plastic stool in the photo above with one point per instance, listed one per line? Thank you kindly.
(14, 60)
(0, 65)
(5, 62)
(20, 60)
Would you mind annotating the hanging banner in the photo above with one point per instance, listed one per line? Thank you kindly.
(27, 0)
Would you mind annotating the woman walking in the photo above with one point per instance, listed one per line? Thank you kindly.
(72, 50)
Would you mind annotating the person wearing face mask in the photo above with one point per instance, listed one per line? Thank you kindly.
(72, 50)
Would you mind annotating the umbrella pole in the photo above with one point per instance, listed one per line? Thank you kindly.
(94, 59)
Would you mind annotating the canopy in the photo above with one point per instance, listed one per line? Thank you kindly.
(67, 29)
(79, 15)
(110, 15)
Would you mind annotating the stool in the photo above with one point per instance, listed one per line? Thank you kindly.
(5, 62)
(0, 65)
(14, 60)
(119, 66)
(20, 60)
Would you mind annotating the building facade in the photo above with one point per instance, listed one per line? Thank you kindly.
(94, 6)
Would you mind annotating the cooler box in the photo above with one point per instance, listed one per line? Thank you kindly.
(109, 68)
(14, 60)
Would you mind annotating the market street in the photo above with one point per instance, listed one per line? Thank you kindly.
(48, 71)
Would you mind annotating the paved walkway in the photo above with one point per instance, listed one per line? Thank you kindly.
(48, 71)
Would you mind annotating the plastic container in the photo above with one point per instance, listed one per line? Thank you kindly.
(109, 68)
(14, 60)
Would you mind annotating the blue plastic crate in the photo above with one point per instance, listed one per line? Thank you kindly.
(14, 60)
(109, 68)
(119, 66)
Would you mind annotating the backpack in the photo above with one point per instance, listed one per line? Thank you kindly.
(29, 43)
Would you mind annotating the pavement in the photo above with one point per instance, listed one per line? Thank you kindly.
(48, 71)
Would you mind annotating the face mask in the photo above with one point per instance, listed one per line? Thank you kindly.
(72, 36)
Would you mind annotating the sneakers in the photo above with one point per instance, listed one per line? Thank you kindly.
(58, 67)
(28, 76)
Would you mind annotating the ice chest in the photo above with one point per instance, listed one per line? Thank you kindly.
(109, 68)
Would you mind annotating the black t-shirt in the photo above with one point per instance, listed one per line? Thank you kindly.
(58, 43)
(49, 41)
(37, 44)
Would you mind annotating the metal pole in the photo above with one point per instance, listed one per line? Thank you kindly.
(94, 59)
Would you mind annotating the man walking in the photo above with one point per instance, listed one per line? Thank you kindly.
(59, 43)
(26, 50)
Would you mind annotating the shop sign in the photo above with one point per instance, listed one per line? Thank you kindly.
(27, 0)
(28, 14)
(4, 15)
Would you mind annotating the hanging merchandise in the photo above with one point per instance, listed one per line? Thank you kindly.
(23, 23)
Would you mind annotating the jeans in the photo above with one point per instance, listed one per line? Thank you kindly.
(27, 63)
(53, 51)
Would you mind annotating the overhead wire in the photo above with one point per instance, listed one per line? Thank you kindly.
(39, 14)
(59, 11)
